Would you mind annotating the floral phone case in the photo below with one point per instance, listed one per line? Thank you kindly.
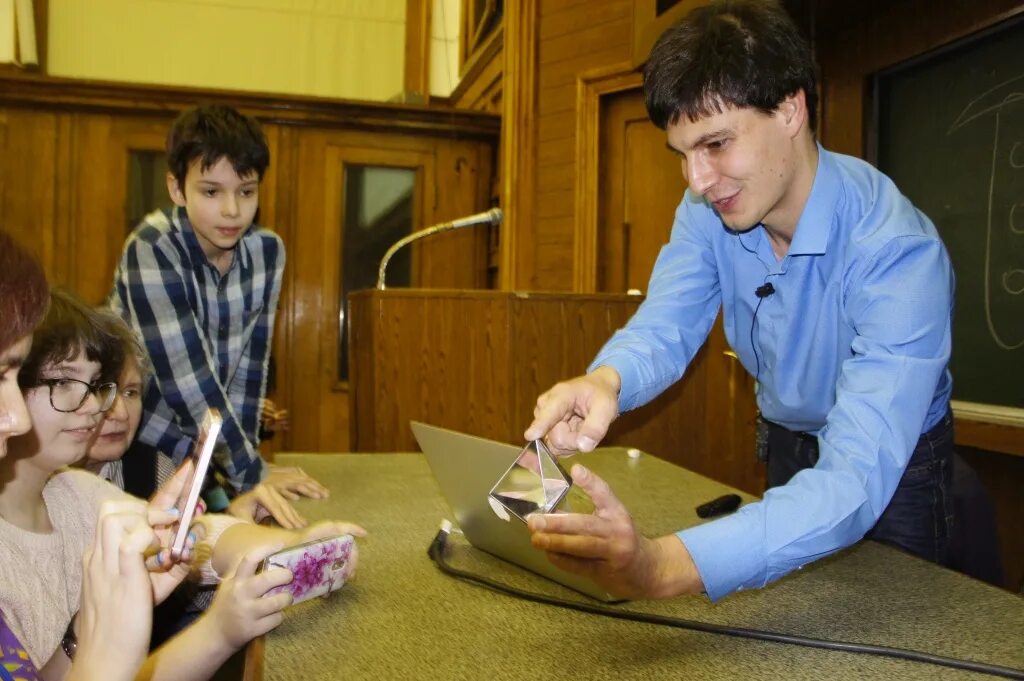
(318, 567)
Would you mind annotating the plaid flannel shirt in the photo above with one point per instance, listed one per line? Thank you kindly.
(208, 336)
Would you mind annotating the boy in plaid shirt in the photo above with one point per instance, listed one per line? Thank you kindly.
(200, 284)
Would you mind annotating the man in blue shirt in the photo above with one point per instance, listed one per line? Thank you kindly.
(837, 296)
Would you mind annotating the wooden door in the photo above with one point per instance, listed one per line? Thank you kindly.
(316, 319)
(641, 184)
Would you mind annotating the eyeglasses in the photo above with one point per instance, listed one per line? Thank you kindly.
(69, 394)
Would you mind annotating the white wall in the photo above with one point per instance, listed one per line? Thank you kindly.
(353, 49)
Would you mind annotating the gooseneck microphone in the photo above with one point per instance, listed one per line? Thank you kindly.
(764, 290)
(493, 216)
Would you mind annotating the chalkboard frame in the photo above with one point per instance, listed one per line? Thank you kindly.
(964, 411)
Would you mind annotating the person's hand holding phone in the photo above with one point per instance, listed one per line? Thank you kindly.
(240, 610)
(116, 615)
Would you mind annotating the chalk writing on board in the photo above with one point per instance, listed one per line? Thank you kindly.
(1005, 103)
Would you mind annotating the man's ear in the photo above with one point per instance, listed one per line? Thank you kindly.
(175, 190)
(792, 112)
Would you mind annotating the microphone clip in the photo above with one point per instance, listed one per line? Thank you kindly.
(764, 290)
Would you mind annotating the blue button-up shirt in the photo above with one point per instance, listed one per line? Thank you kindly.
(853, 345)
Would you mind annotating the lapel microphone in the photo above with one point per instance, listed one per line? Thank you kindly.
(764, 290)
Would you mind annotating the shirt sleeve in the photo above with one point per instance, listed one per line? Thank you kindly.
(151, 288)
(657, 344)
(899, 303)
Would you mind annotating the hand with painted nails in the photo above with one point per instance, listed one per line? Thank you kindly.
(606, 547)
(573, 416)
(116, 615)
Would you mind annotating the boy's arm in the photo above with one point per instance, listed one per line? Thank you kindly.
(152, 291)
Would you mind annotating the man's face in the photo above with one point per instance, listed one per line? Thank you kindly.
(14, 419)
(220, 204)
(740, 161)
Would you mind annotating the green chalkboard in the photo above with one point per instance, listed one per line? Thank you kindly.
(950, 133)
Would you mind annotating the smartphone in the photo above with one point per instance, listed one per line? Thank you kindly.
(201, 454)
(318, 567)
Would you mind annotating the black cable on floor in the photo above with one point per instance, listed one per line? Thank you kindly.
(436, 553)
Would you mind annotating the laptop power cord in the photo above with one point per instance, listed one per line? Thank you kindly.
(436, 552)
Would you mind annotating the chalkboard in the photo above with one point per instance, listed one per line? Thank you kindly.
(950, 133)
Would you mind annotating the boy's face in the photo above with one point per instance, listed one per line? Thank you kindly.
(62, 438)
(742, 162)
(14, 419)
(220, 205)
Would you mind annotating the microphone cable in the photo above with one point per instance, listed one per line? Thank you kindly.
(440, 541)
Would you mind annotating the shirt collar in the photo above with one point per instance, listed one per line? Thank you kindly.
(815, 224)
(242, 256)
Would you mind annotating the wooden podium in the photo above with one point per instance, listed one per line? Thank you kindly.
(475, 361)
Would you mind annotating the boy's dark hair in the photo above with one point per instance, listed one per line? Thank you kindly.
(70, 327)
(214, 132)
(741, 53)
(24, 293)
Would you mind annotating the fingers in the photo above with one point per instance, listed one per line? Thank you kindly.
(606, 504)
(601, 412)
(169, 492)
(283, 512)
(268, 605)
(552, 407)
(250, 561)
(333, 528)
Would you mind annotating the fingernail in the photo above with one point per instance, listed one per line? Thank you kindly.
(160, 558)
(192, 537)
(173, 510)
(585, 444)
(535, 521)
(579, 471)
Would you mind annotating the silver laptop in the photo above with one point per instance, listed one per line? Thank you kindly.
(466, 468)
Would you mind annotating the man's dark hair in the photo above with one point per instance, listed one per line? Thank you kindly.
(71, 327)
(731, 53)
(214, 132)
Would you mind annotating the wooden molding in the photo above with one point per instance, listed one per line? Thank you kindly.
(590, 87)
(986, 426)
(519, 142)
(481, 66)
(648, 26)
(252, 669)
(68, 94)
(418, 18)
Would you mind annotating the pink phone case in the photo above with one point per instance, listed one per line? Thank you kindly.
(318, 567)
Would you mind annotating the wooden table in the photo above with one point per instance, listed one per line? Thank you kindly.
(401, 618)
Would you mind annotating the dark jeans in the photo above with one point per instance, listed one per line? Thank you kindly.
(919, 518)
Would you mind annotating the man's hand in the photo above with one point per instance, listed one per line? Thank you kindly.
(293, 483)
(607, 548)
(574, 416)
(264, 501)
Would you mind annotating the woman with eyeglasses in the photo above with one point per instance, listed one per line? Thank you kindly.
(114, 623)
(48, 514)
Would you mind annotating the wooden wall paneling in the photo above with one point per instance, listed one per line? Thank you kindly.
(563, 57)
(1001, 475)
(519, 145)
(98, 227)
(480, 84)
(49, 93)
(28, 211)
(416, 355)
